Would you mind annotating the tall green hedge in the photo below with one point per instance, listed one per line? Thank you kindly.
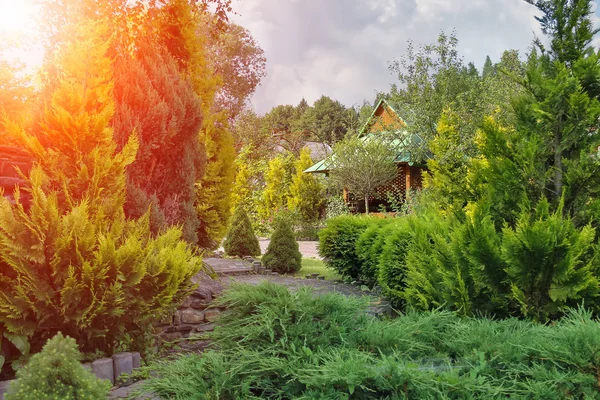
(337, 243)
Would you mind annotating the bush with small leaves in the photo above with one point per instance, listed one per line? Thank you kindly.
(282, 254)
(56, 373)
(241, 240)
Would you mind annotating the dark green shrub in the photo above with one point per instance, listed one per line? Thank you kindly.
(337, 243)
(275, 344)
(392, 260)
(369, 247)
(283, 255)
(241, 240)
(56, 373)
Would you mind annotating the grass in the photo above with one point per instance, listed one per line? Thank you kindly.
(277, 344)
(314, 266)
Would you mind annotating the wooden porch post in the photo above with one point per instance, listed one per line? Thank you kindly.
(407, 179)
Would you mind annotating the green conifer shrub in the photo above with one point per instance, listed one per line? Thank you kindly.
(392, 260)
(337, 243)
(241, 240)
(368, 249)
(56, 373)
(273, 343)
(283, 255)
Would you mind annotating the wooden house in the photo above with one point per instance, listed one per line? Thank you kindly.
(385, 118)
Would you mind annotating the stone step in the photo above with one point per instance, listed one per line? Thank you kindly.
(233, 271)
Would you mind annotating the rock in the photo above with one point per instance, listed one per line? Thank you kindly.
(4, 388)
(137, 360)
(199, 304)
(103, 369)
(192, 316)
(177, 318)
(208, 288)
(205, 328)
(212, 314)
(184, 329)
(123, 364)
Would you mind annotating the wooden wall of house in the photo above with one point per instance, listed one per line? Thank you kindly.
(384, 119)
(12, 158)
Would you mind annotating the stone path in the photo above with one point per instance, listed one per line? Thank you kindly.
(308, 249)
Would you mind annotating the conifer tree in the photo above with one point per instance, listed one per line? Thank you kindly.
(306, 192)
(277, 184)
(57, 372)
(241, 240)
(71, 262)
(161, 107)
(213, 191)
(282, 254)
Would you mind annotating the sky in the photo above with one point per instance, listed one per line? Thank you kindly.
(342, 48)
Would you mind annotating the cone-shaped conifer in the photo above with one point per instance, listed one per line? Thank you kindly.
(241, 240)
(282, 254)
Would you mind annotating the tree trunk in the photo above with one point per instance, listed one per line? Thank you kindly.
(367, 204)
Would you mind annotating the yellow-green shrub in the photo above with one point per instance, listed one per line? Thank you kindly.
(96, 280)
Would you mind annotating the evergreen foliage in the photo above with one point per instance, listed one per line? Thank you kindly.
(337, 243)
(275, 344)
(214, 189)
(56, 373)
(306, 192)
(71, 262)
(241, 240)
(159, 106)
(278, 177)
(282, 254)
(79, 273)
(368, 248)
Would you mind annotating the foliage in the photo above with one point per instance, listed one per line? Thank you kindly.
(282, 254)
(326, 121)
(241, 240)
(448, 165)
(336, 206)
(56, 372)
(278, 177)
(75, 272)
(362, 165)
(368, 249)
(550, 263)
(213, 190)
(70, 261)
(275, 344)
(240, 64)
(337, 243)
(162, 109)
(560, 98)
(306, 192)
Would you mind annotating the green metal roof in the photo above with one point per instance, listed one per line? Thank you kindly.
(403, 155)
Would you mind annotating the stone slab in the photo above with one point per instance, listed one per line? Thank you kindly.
(104, 369)
(4, 388)
(123, 364)
(136, 359)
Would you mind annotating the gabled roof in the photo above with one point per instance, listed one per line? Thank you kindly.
(385, 104)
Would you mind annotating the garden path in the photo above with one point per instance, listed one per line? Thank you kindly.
(308, 249)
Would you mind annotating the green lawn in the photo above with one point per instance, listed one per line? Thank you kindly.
(313, 266)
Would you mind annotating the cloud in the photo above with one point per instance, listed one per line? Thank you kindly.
(341, 48)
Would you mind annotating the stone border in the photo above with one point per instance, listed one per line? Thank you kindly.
(109, 369)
